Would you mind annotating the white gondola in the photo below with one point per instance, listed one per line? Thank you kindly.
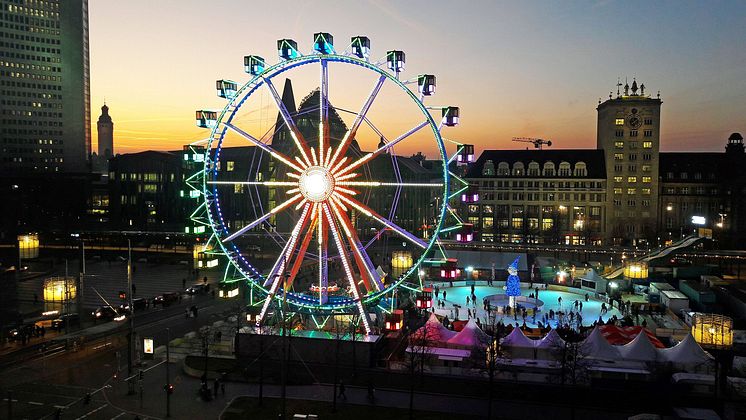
(395, 60)
(426, 84)
(207, 119)
(465, 155)
(226, 88)
(323, 43)
(253, 64)
(450, 116)
(360, 47)
(287, 49)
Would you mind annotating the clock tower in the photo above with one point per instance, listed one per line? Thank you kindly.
(628, 132)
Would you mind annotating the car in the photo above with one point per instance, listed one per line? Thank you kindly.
(197, 289)
(19, 330)
(71, 319)
(104, 312)
(139, 304)
(166, 298)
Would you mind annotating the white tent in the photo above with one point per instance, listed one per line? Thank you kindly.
(551, 341)
(640, 349)
(471, 335)
(687, 352)
(595, 346)
(433, 330)
(518, 346)
(517, 338)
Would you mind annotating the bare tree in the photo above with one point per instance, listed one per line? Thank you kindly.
(419, 351)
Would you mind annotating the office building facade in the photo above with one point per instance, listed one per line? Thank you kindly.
(44, 86)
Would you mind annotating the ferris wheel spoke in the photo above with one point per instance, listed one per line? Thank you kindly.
(298, 139)
(382, 220)
(267, 148)
(301, 252)
(323, 108)
(264, 183)
(359, 118)
(381, 149)
(348, 271)
(266, 216)
(365, 265)
(275, 276)
(389, 184)
(323, 255)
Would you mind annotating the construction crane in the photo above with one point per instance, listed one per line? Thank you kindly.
(538, 143)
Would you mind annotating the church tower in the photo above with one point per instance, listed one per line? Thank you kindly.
(105, 128)
(629, 134)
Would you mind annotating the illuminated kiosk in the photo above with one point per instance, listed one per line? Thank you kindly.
(326, 265)
(59, 292)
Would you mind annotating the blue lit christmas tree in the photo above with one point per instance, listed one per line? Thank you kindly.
(513, 284)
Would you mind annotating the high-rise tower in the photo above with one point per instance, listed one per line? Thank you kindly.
(105, 129)
(629, 134)
(44, 86)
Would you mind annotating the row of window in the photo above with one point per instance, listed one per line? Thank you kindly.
(632, 191)
(685, 175)
(519, 169)
(620, 121)
(630, 203)
(532, 223)
(27, 38)
(35, 48)
(633, 144)
(31, 76)
(13, 83)
(632, 156)
(633, 179)
(33, 57)
(688, 190)
(634, 133)
(549, 196)
(504, 209)
(541, 184)
(631, 168)
(30, 141)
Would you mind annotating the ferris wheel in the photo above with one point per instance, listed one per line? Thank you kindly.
(325, 203)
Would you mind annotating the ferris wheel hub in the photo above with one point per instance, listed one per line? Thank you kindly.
(316, 184)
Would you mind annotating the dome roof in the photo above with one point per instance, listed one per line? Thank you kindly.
(735, 136)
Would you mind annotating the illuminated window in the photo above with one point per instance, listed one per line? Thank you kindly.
(618, 179)
(546, 224)
(619, 121)
(617, 190)
(517, 223)
(619, 144)
(487, 222)
(230, 166)
(646, 178)
(631, 191)
(646, 191)
(647, 144)
(631, 179)
(473, 208)
(618, 156)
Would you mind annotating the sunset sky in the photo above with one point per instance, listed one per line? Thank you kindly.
(530, 69)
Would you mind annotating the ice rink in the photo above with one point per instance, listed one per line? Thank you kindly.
(457, 295)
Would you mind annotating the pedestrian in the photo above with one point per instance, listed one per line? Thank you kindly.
(342, 390)
(536, 295)
(444, 295)
(581, 306)
(587, 297)
(559, 301)
(472, 289)
(204, 280)
(215, 386)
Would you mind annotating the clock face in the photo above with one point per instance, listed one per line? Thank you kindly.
(634, 121)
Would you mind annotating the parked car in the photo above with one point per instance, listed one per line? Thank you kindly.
(71, 319)
(166, 299)
(104, 312)
(21, 329)
(197, 289)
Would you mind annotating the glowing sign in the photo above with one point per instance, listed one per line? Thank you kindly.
(698, 220)
(147, 345)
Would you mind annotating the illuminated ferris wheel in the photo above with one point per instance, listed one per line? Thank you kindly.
(324, 202)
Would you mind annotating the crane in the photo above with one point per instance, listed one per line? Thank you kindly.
(538, 143)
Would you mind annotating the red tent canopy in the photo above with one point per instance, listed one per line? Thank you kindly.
(620, 336)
